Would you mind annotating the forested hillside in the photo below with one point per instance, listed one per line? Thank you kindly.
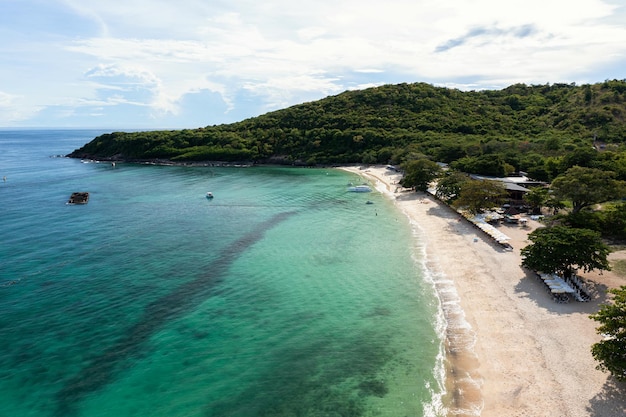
(540, 129)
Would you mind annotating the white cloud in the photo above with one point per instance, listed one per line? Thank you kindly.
(154, 53)
(6, 100)
(14, 109)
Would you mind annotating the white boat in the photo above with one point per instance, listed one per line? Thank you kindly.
(360, 189)
(209, 195)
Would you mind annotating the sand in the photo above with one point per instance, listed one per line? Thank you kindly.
(510, 349)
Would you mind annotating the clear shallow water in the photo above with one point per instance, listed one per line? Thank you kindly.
(285, 295)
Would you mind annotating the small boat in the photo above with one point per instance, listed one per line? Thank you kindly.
(360, 189)
(369, 202)
(79, 198)
(209, 195)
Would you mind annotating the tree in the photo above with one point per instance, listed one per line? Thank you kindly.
(536, 198)
(477, 195)
(562, 250)
(419, 173)
(614, 221)
(554, 203)
(490, 164)
(611, 352)
(449, 185)
(586, 186)
(581, 156)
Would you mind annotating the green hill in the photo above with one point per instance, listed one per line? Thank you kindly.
(541, 129)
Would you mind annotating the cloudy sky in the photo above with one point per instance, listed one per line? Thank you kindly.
(192, 63)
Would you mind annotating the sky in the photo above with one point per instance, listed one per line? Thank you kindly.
(158, 64)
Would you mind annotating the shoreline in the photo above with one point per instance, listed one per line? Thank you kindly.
(510, 349)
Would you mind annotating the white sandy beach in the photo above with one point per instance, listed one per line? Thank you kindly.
(511, 350)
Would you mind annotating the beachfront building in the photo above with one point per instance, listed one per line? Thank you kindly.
(516, 186)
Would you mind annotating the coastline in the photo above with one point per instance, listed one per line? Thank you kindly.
(510, 349)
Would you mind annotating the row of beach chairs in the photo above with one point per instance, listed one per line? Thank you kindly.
(562, 290)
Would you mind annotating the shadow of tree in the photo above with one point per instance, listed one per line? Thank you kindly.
(610, 402)
(532, 287)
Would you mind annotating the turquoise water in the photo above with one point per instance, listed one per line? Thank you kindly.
(285, 295)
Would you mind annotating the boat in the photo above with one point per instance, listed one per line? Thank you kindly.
(79, 198)
(360, 189)
(209, 195)
(369, 202)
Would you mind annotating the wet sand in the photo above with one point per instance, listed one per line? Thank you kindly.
(510, 349)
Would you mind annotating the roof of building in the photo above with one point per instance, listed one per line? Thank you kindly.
(512, 183)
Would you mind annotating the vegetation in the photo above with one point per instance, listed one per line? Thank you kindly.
(476, 196)
(562, 250)
(609, 221)
(611, 352)
(540, 129)
(587, 186)
(537, 198)
(419, 173)
(449, 185)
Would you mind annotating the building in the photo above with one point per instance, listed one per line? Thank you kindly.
(516, 185)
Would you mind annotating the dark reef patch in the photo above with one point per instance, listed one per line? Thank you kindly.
(102, 369)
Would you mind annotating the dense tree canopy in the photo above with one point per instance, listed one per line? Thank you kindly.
(477, 195)
(449, 185)
(611, 352)
(539, 129)
(562, 250)
(537, 198)
(419, 173)
(492, 165)
(587, 186)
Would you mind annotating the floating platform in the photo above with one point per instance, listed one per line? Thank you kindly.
(79, 198)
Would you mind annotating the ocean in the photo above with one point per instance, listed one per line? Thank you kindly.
(284, 295)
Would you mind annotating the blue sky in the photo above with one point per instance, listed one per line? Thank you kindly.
(191, 63)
